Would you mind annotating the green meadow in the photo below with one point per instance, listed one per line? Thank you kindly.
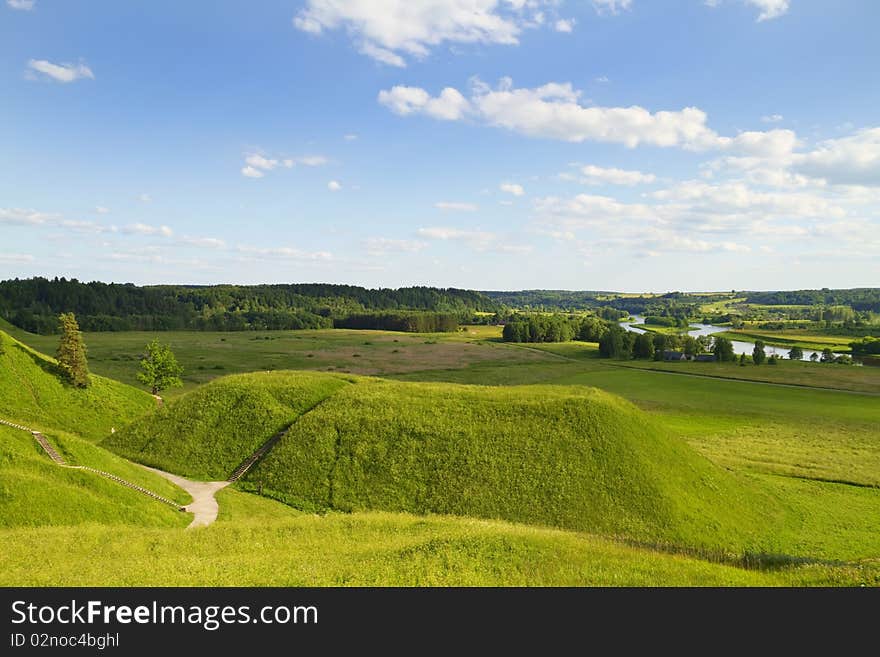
(441, 459)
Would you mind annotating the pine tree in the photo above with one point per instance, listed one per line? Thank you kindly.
(159, 368)
(71, 352)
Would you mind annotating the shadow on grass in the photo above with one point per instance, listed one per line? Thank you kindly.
(748, 560)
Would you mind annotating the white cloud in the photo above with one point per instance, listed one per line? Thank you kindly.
(23, 5)
(598, 175)
(735, 197)
(16, 258)
(145, 198)
(203, 242)
(613, 7)
(565, 25)
(286, 252)
(86, 226)
(390, 31)
(102, 210)
(450, 105)
(769, 8)
(772, 118)
(512, 188)
(25, 217)
(60, 72)
(553, 111)
(444, 233)
(259, 162)
(381, 245)
(256, 164)
(851, 160)
(350, 137)
(145, 229)
(602, 79)
(455, 206)
(334, 185)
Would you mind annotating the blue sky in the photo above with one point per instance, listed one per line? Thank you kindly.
(491, 144)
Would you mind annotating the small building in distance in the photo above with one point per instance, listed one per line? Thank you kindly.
(670, 354)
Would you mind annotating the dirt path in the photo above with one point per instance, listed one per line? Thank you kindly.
(204, 506)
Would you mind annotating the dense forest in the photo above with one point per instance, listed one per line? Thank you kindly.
(860, 299)
(34, 305)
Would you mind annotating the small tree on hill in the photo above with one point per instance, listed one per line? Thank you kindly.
(159, 368)
(71, 352)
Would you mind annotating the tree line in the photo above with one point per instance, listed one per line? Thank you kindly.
(34, 305)
(413, 322)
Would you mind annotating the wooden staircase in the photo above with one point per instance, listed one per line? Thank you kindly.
(248, 463)
(59, 460)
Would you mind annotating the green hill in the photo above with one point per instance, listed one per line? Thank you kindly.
(570, 457)
(33, 393)
(35, 492)
(208, 432)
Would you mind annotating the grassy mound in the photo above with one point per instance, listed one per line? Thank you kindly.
(34, 492)
(33, 393)
(208, 432)
(576, 458)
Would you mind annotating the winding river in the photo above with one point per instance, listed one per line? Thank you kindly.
(739, 346)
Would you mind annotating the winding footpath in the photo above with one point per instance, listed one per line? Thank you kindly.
(204, 505)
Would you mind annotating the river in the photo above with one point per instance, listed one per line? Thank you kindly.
(739, 346)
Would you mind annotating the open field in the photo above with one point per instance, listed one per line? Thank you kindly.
(208, 355)
(793, 473)
(793, 338)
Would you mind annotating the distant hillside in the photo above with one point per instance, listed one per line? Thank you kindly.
(34, 304)
(576, 458)
(33, 393)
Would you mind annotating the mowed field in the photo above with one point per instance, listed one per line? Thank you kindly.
(815, 452)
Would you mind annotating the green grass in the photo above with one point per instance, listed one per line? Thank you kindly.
(710, 474)
(208, 355)
(33, 393)
(207, 433)
(35, 492)
(257, 542)
(575, 458)
(785, 372)
(791, 339)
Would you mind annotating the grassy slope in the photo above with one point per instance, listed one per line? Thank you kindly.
(574, 458)
(35, 492)
(207, 433)
(32, 393)
(380, 549)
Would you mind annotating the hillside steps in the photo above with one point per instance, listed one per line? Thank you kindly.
(59, 460)
(249, 462)
(55, 456)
